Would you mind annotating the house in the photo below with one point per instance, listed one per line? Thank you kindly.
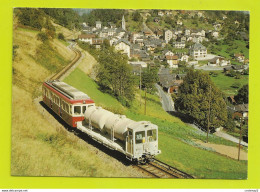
(111, 25)
(239, 57)
(111, 32)
(187, 32)
(179, 22)
(200, 14)
(168, 12)
(87, 38)
(97, 42)
(149, 45)
(137, 67)
(175, 87)
(172, 61)
(179, 45)
(160, 13)
(184, 58)
(158, 33)
(148, 33)
(98, 24)
(124, 46)
(167, 52)
(238, 68)
(166, 81)
(218, 61)
(168, 35)
(240, 110)
(183, 38)
(156, 19)
(84, 24)
(198, 50)
(215, 34)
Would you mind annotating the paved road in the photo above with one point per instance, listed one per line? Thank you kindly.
(167, 102)
(209, 68)
(229, 137)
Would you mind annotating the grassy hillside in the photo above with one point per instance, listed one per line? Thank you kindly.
(40, 144)
(176, 140)
(225, 82)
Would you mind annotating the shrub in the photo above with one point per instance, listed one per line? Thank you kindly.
(61, 36)
(42, 36)
(236, 85)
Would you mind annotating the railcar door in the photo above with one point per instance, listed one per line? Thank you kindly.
(140, 141)
(152, 142)
(129, 142)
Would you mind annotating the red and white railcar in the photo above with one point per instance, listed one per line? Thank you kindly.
(66, 101)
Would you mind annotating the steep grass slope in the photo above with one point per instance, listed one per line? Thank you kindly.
(41, 146)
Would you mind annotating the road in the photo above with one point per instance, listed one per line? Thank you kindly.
(166, 100)
(168, 105)
(229, 137)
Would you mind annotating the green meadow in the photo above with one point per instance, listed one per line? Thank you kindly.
(176, 139)
(224, 83)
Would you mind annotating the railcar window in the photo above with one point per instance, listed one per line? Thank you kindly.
(151, 135)
(66, 107)
(77, 110)
(84, 109)
(70, 111)
(130, 135)
(140, 137)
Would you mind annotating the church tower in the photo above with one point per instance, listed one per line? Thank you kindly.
(123, 22)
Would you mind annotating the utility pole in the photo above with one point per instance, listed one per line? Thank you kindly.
(140, 85)
(241, 121)
(209, 113)
(145, 101)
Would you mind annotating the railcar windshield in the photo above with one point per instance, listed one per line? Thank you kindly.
(152, 135)
(77, 110)
(140, 137)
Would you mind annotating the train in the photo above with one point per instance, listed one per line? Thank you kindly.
(137, 140)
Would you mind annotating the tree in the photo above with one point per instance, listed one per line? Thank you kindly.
(200, 98)
(149, 78)
(115, 76)
(42, 36)
(15, 47)
(137, 17)
(242, 95)
(61, 36)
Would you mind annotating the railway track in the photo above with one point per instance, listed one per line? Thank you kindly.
(158, 169)
(65, 69)
(155, 168)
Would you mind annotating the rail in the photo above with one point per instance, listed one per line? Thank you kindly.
(158, 169)
(65, 69)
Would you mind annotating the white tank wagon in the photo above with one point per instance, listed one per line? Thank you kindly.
(137, 140)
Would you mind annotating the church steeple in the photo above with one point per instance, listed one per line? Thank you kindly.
(123, 22)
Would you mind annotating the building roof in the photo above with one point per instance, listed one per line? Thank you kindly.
(198, 46)
(166, 80)
(87, 36)
(174, 57)
(213, 60)
(124, 41)
(241, 108)
(97, 41)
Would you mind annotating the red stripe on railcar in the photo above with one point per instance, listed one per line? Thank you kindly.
(87, 101)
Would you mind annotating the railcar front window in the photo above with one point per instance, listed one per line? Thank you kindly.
(140, 137)
(77, 110)
(151, 135)
(84, 109)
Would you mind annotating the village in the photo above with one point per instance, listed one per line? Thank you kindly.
(173, 50)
